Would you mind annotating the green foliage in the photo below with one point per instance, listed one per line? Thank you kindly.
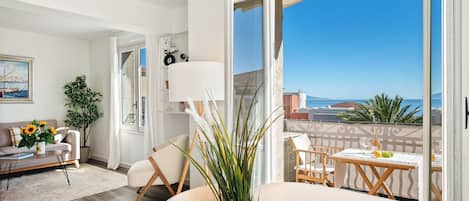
(36, 132)
(230, 156)
(82, 103)
(383, 109)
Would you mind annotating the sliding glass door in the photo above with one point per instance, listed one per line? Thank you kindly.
(255, 62)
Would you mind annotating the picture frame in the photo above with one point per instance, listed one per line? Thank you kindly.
(16, 79)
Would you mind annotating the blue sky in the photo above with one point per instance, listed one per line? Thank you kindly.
(346, 49)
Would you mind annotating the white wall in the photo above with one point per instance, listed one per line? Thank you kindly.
(99, 79)
(56, 61)
(206, 28)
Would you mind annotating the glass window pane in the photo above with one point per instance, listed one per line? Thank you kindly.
(143, 60)
(143, 85)
(353, 80)
(129, 87)
(437, 137)
(248, 66)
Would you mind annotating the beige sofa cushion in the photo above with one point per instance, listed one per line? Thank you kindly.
(49, 147)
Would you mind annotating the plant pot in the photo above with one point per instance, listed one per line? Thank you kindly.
(41, 147)
(84, 154)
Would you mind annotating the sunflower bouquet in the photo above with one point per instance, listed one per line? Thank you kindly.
(36, 132)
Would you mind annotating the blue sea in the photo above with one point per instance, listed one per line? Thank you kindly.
(414, 103)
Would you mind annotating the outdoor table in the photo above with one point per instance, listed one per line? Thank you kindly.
(359, 158)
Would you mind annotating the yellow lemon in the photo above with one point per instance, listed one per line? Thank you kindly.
(377, 154)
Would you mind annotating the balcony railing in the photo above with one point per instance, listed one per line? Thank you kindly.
(393, 137)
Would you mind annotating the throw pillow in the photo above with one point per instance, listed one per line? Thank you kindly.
(61, 134)
(15, 134)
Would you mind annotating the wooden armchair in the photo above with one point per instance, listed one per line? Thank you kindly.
(162, 168)
(312, 163)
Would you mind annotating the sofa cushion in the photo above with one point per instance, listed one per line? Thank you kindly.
(49, 147)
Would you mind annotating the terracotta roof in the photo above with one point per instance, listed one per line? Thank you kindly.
(346, 105)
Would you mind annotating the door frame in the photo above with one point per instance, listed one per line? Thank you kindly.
(452, 100)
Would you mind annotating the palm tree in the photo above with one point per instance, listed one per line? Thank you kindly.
(383, 109)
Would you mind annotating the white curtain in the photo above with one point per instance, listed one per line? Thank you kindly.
(114, 115)
(153, 135)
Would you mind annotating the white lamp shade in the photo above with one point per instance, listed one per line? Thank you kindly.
(196, 80)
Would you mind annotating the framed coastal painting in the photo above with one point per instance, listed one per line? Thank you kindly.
(16, 79)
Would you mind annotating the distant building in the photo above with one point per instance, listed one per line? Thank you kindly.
(291, 106)
(302, 99)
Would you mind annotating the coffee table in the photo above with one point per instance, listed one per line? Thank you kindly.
(58, 154)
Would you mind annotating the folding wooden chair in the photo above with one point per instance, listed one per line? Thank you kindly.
(164, 167)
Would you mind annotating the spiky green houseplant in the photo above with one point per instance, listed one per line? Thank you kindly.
(383, 109)
(229, 155)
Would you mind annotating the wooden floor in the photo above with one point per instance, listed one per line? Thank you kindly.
(126, 193)
(156, 193)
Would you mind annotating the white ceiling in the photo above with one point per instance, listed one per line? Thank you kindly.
(169, 3)
(54, 23)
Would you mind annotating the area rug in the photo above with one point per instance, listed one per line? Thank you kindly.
(52, 186)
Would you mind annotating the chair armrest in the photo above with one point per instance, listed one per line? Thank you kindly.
(322, 155)
(73, 138)
(309, 151)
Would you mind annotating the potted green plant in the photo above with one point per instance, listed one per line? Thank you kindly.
(83, 111)
(229, 155)
(37, 133)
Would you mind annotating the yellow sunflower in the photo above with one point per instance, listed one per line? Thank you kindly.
(42, 123)
(53, 130)
(30, 129)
